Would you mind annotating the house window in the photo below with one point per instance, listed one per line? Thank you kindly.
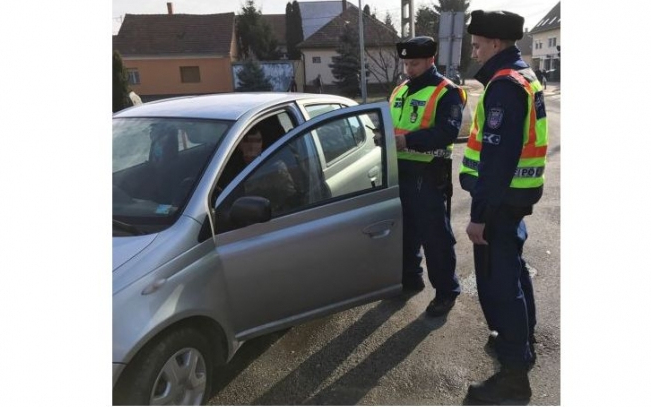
(190, 74)
(316, 60)
(551, 42)
(134, 76)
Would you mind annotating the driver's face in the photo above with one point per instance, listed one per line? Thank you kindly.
(251, 146)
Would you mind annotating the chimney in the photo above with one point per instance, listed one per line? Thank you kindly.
(344, 5)
(170, 10)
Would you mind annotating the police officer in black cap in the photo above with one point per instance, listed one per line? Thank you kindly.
(503, 168)
(426, 111)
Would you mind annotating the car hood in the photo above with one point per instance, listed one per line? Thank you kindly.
(125, 248)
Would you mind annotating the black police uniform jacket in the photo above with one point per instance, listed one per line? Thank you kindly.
(498, 162)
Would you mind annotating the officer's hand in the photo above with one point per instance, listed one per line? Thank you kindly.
(401, 143)
(475, 232)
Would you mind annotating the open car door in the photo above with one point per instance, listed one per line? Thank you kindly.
(314, 225)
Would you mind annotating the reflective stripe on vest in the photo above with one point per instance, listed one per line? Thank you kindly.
(531, 165)
(403, 125)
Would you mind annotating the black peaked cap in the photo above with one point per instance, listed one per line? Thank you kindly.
(417, 47)
(496, 24)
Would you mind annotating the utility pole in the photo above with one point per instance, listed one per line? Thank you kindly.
(362, 75)
(407, 18)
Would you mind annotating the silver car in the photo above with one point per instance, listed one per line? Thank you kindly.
(207, 255)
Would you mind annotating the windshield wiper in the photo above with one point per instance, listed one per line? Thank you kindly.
(125, 227)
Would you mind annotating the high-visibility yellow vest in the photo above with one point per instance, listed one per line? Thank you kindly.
(531, 165)
(405, 120)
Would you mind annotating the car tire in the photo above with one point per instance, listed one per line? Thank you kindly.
(176, 369)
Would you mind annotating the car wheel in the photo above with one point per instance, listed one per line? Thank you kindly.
(176, 369)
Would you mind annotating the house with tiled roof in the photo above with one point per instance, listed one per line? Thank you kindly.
(379, 43)
(177, 54)
(546, 37)
(316, 14)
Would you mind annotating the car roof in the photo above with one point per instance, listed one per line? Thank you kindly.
(223, 106)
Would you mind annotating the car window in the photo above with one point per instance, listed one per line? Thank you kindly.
(157, 162)
(357, 130)
(316, 110)
(272, 128)
(340, 137)
(294, 178)
(286, 121)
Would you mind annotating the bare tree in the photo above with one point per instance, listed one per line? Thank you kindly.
(381, 54)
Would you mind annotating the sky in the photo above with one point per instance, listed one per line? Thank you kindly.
(532, 10)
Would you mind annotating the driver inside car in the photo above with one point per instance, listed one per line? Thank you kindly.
(272, 180)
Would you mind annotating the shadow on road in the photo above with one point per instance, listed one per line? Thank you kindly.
(249, 352)
(354, 385)
(298, 386)
(468, 401)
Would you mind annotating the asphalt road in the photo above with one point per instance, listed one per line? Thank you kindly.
(389, 352)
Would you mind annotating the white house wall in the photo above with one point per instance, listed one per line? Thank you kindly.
(312, 70)
(546, 52)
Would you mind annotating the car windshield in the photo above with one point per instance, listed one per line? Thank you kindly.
(157, 162)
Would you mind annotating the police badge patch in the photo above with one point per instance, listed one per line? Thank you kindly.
(490, 138)
(495, 117)
(414, 114)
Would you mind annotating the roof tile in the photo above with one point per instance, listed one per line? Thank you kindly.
(156, 34)
(376, 33)
(551, 21)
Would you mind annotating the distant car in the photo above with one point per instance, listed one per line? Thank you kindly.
(200, 265)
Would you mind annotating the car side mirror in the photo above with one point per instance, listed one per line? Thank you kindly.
(248, 210)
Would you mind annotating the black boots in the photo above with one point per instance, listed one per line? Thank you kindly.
(507, 384)
(412, 283)
(440, 306)
(494, 338)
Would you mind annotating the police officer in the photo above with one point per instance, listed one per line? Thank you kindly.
(502, 169)
(426, 111)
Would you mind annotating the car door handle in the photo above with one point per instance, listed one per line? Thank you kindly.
(380, 229)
